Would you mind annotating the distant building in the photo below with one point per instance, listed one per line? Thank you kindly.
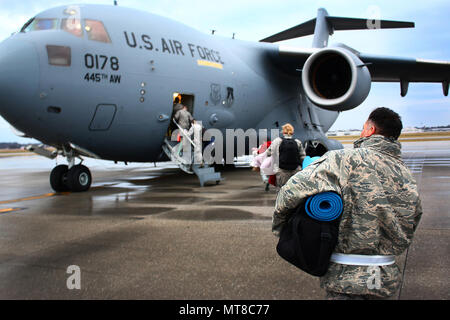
(339, 133)
(357, 132)
(412, 130)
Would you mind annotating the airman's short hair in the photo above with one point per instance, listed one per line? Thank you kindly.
(387, 122)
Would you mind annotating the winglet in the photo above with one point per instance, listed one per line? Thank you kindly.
(324, 26)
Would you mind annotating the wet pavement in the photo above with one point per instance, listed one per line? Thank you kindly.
(145, 232)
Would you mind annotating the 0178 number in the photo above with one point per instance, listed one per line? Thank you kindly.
(100, 61)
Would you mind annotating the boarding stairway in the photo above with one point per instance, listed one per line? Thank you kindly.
(204, 173)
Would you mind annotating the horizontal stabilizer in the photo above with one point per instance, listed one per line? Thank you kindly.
(336, 23)
(339, 23)
(304, 29)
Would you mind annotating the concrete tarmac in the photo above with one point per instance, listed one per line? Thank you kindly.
(142, 232)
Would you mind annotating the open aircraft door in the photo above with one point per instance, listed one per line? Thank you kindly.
(186, 100)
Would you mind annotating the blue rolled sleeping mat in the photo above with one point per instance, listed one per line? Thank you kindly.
(308, 160)
(325, 206)
(309, 237)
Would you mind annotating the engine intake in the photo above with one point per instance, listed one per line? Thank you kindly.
(336, 79)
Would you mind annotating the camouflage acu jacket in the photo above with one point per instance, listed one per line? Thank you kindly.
(381, 210)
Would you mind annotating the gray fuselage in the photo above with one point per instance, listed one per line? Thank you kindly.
(115, 99)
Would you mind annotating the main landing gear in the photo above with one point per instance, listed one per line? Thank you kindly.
(76, 178)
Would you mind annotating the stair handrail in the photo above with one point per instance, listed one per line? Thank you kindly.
(184, 133)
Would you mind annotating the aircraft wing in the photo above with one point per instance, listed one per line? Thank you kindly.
(382, 68)
(392, 69)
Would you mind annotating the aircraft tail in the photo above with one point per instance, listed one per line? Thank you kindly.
(323, 26)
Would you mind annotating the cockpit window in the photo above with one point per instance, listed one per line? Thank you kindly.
(26, 25)
(44, 24)
(40, 24)
(73, 26)
(96, 31)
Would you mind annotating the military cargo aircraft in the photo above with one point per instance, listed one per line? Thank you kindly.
(100, 81)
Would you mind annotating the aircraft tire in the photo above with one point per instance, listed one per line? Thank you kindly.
(79, 178)
(58, 178)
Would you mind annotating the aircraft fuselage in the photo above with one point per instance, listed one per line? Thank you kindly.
(115, 98)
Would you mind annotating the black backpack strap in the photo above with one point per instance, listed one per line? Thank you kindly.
(296, 220)
(325, 245)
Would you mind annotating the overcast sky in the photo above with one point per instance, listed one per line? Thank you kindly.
(255, 19)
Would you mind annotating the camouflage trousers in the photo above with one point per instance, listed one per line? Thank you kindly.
(283, 176)
(330, 295)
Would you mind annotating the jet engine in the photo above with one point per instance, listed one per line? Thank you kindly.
(336, 79)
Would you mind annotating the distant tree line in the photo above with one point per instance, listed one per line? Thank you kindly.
(10, 145)
(437, 127)
(13, 145)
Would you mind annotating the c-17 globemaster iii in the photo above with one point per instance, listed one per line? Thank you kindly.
(100, 81)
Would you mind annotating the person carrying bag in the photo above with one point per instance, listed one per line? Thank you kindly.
(309, 237)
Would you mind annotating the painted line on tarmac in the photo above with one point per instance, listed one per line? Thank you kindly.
(43, 196)
(7, 210)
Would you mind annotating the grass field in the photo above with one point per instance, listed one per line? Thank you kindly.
(13, 151)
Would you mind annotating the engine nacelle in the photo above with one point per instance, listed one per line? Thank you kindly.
(336, 79)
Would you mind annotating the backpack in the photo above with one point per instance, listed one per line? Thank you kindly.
(289, 158)
(307, 242)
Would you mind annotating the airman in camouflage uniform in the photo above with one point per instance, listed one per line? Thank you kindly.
(381, 211)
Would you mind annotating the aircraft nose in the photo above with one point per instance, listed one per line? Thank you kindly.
(19, 80)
